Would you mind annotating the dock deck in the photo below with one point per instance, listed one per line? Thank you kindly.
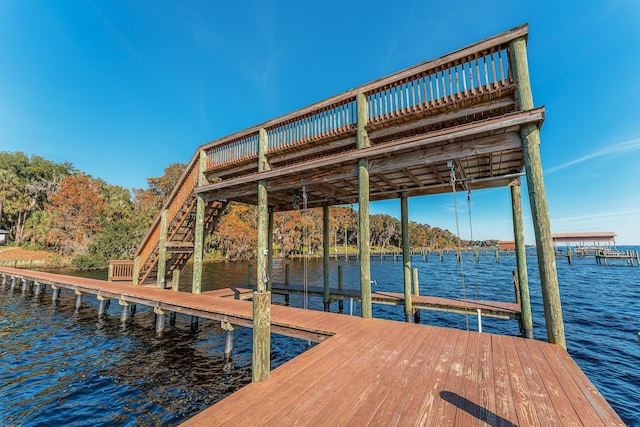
(381, 372)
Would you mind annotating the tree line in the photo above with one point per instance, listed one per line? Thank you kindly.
(54, 206)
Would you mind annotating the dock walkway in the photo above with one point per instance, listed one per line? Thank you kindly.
(381, 372)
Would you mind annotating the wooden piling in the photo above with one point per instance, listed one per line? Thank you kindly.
(261, 354)
(325, 255)
(124, 315)
(162, 250)
(340, 285)
(286, 282)
(537, 196)
(228, 345)
(37, 288)
(102, 305)
(78, 300)
(160, 320)
(406, 258)
(55, 294)
(416, 292)
(270, 250)
(521, 262)
(362, 141)
(198, 231)
(261, 364)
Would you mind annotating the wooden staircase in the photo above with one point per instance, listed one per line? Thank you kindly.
(180, 210)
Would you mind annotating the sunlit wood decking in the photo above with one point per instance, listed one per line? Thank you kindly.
(379, 372)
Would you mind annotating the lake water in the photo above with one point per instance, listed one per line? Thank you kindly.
(61, 366)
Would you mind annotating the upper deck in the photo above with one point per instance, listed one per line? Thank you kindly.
(459, 111)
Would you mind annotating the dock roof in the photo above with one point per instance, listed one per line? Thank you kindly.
(593, 236)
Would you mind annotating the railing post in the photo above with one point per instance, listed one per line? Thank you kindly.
(162, 250)
(198, 232)
(362, 141)
(521, 261)
(537, 196)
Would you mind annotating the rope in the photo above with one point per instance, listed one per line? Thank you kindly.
(452, 175)
(475, 274)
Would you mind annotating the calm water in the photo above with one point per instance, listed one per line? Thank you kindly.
(62, 366)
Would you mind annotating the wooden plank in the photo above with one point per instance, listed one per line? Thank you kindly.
(520, 393)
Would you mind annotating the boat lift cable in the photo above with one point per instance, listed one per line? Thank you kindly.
(452, 175)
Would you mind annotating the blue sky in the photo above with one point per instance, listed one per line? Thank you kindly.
(123, 88)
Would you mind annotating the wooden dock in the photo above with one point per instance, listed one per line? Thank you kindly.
(378, 372)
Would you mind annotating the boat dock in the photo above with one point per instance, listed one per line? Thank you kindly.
(372, 371)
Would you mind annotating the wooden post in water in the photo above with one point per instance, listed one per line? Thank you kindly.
(340, 302)
(124, 315)
(102, 304)
(286, 283)
(55, 294)
(250, 274)
(325, 255)
(406, 258)
(261, 354)
(362, 141)
(521, 262)
(228, 345)
(537, 196)
(78, 300)
(162, 250)
(198, 232)
(160, 320)
(416, 292)
(36, 289)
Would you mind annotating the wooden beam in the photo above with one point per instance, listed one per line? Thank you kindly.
(521, 262)
(198, 232)
(162, 250)
(406, 259)
(538, 199)
(469, 130)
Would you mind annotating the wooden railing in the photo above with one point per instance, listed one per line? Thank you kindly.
(460, 78)
(479, 69)
(174, 203)
(120, 270)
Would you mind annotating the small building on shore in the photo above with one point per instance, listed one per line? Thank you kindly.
(4, 236)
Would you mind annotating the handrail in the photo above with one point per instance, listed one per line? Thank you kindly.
(484, 65)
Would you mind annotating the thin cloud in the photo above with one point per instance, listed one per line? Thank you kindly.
(621, 147)
(599, 216)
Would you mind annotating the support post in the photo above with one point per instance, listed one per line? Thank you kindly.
(78, 300)
(162, 250)
(102, 305)
(270, 250)
(286, 283)
(537, 196)
(160, 320)
(261, 354)
(175, 280)
(362, 141)
(136, 271)
(126, 311)
(55, 294)
(406, 259)
(198, 232)
(228, 345)
(13, 282)
(416, 292)
(340, 281)
(325, 255)
(37, 288)
(521, 262)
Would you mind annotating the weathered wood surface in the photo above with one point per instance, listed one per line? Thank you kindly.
(381, 372)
